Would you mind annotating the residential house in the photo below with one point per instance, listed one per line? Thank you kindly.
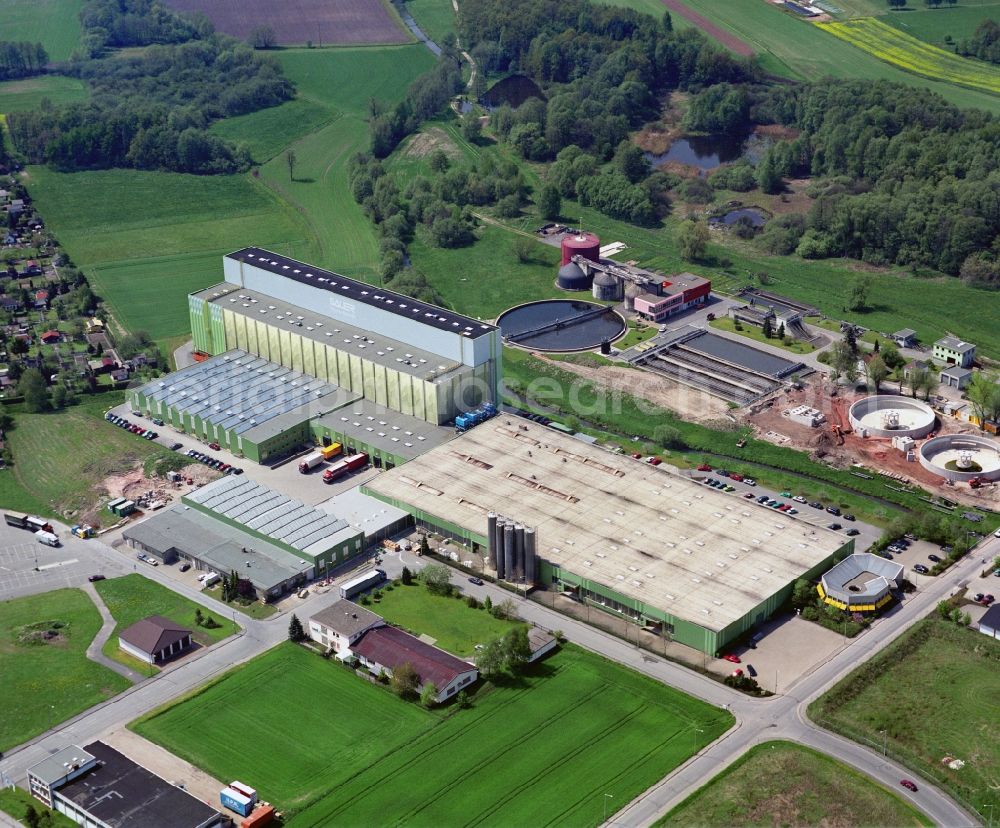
(42, 299)
(340, 625)
(120, 375)
(155, 639)
(32, 268)
(384, 649)
(953, 351)
(10, 304)
(51, 337)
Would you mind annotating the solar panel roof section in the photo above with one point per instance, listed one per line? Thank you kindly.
(396, 303)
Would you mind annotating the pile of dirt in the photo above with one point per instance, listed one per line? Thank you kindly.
(41, 633)
(424, 143)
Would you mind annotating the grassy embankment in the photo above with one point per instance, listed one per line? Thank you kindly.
(134, 597)
(579, 725)
(933, 693)
(46, 681)
(781, 783)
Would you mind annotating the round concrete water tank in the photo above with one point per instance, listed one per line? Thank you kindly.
(631, 291)
(572, 277)
(606, 287)
(581, 244)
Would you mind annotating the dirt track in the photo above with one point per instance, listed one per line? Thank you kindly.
(731, 42)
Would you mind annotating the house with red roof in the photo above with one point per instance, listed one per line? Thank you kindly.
(49, 337)
(41, 299)
(383, 649)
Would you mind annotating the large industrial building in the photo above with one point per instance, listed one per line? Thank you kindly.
(407, 355)
(630, 538)
(274, 541)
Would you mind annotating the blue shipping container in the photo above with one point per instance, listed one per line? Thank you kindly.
(235, 801)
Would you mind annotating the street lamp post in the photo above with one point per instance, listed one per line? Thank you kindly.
(885, 742)
(607, 796)
(990, 823)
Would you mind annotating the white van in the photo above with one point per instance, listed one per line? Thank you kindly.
(47, 538)
(212, 579)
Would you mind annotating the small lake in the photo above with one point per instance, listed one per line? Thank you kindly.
(756, 217)
(706, 152)
(513, 90)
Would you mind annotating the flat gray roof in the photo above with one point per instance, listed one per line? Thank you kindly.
(955, 344)
(272, 514)
(644, 531)
(218, 544)
(905, 333)
(53, 767)
(246, 394)
(871, 574)
(364, 343)
(385, 429)
(956, 373)
(365, 513)
(379, 297)
(736, 352)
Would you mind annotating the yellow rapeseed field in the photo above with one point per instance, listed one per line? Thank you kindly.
(900, 49)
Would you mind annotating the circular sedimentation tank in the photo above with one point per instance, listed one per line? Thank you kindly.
(892, 416)
(962, 457)
(560, 325)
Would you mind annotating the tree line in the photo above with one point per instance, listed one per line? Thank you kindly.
(121, 23)
(152, 110)
(21, 59)
(984, 43)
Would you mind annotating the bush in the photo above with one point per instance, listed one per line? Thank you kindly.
(471, 602)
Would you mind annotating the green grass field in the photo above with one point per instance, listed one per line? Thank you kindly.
(63, 473)
(269, 131)
(812, 54)
(456, 627)
(17, 801)
(26, 94)
(540, 750)
(436, 18)
(933, 692)
(932, 25)
(54, 23)
(134, 597)
(51, 681)
(781, 783)
(757, 335)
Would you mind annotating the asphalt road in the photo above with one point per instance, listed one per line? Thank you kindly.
(757, 720)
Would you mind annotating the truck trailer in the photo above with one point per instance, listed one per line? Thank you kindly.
(29, 522)
(310, 462)
(331, 450)
(345, 466)
(363, 582)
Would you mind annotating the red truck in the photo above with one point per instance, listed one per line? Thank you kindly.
(345, 466)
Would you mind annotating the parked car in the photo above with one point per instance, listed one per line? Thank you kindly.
(834, 526)
(763, 499)
(476, 581)
(749, 481)
(849, 517)
(185, 567)
(214, 446)
(923, 570)
(786, 494)
(237, 471)
(737, 672)
(729, 488)
(816, 504)
(654, 461)
(833, 510)
(175, 446)
(799, 499)
(852, 532)
(748, 495)
(737, 477)
(935, 558)
(988, 599)
(704, 467)
(735, 659)
(906, 783)
(93, 578)
(978, 597)
(636, 455)
(158, 422)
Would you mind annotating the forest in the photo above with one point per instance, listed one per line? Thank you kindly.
(984, 43)
(21, 59)
(152, 110)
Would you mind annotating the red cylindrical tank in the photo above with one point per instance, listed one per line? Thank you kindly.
(580, 244)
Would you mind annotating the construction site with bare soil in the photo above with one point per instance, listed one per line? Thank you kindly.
(817, 418)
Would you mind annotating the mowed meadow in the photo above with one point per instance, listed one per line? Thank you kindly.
(147, 239)
(540, 750)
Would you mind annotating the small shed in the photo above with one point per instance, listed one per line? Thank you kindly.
(956, 377)
(155, 639)
(905, 338)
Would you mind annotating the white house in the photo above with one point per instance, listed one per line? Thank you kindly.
(341, 624)
(155, 639)
(989, 624)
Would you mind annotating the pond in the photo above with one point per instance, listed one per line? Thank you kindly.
(513, 90)
(706, 152)
(754, 215)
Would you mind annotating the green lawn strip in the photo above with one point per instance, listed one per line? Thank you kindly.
(134, 597)
(932, 26)
(623, 414)
(542, 750)
(49, 682)
(456, 627)
(69, 482)
(757, 335)
(53, 23)
(816, 54)
(268, 132)
(932, 691)
(254, 609)
(26, 94)
(636, 333)
(781, 783)
(17, 802)
(436, 18)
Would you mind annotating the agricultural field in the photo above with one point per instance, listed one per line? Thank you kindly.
(807, 52)
(456, 627)
(781, 783)
(933, 693)
(579, 726)
(53, 23)
(958, 22)
(70, 482)
(304, 21)
(900, 49)
(436, 18)
(134, 597)
(27, 93)
(49, 679)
